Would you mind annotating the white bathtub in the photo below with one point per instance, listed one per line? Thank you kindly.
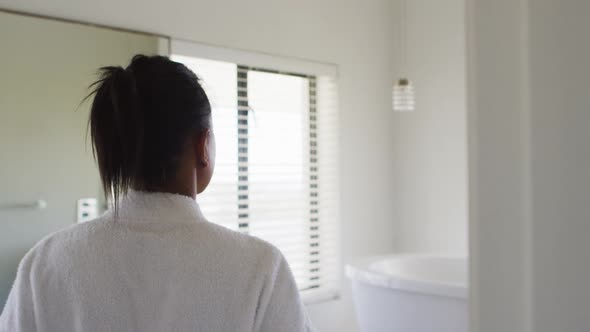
(411, 293)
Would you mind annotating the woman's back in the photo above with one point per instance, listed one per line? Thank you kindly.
(158, 266)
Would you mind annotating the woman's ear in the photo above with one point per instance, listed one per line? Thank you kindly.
(205, 159)
(203, 149)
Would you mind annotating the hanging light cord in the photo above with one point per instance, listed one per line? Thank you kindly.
(403, 37)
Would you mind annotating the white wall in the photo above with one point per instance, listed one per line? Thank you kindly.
(353, 34)
(430, 144)
(529, 123)
(560, 160)
(498, 165)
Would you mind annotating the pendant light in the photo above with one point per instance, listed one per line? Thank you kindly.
(403, 98)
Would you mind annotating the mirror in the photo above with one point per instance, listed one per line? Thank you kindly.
(47, 163)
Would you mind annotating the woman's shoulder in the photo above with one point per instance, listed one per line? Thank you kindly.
(241, 242)
(59, 244)
(236, 247)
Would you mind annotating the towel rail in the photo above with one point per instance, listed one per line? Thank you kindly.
(35, 205)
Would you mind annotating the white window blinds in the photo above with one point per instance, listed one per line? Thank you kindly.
(276, 170)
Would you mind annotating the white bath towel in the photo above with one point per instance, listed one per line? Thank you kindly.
(157, 266)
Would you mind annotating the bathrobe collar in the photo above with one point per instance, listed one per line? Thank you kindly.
(157, 206)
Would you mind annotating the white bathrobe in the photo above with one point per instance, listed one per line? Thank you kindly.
(157, 266)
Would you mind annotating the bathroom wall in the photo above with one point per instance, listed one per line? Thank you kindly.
(46, 68)
(560, 161)
(529, 147)
(498, 166)
(356, 35)
(430, 144)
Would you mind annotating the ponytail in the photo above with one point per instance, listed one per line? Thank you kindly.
(116, 130)
(140, 119)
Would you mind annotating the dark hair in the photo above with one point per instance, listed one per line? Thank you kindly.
(140, 120)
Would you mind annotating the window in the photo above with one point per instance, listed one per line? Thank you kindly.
(276, 169)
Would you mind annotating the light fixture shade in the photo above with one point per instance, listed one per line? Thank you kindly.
(403, 97)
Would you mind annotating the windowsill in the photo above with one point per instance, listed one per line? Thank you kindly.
(320, 297)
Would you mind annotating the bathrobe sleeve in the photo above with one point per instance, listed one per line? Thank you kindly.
(18, 314)
(280, 308)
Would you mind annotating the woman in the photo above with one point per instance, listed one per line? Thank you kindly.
(153, 262)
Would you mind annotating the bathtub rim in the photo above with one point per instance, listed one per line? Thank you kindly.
(361, 272)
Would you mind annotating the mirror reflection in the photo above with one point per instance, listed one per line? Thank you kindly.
(45, 73)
